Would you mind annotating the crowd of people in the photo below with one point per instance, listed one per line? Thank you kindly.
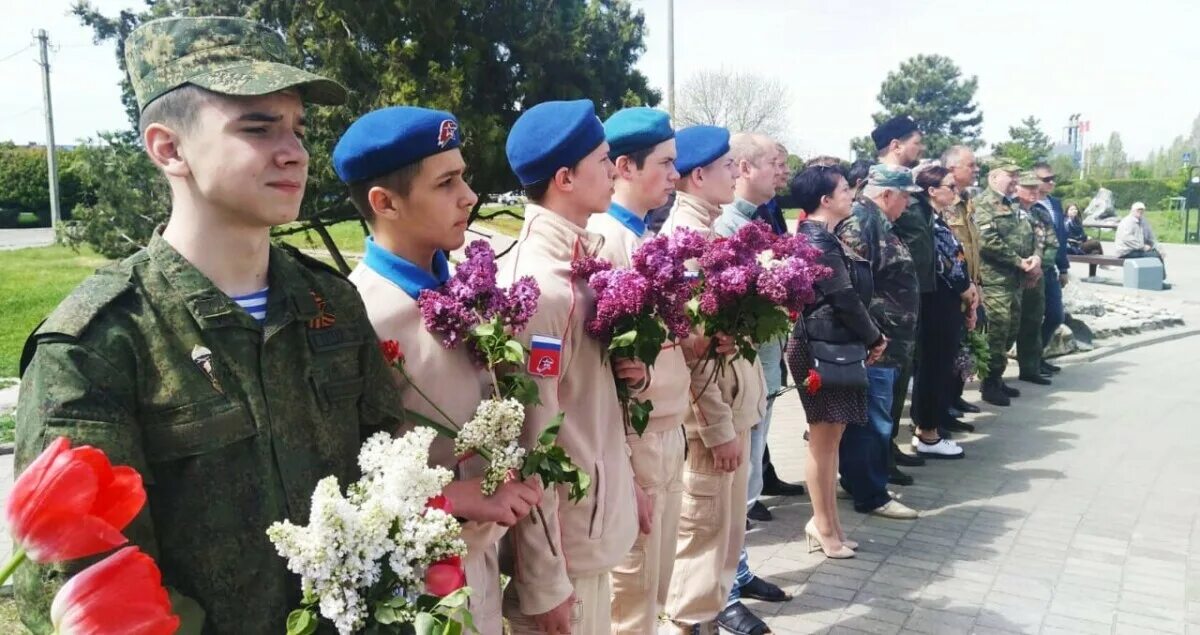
(233, 374)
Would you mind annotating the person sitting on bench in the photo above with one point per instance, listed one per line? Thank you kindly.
(1135, 239)
(1078, 242)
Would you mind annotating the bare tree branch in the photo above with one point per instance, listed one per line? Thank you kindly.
(742, 102)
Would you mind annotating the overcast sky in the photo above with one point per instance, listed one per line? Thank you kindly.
(1129, 66)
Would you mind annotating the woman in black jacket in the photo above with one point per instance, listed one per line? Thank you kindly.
(839, 314)
(940, 331)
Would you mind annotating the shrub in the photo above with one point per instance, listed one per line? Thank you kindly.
(129, 199)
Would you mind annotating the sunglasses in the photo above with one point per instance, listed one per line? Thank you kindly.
(1048, 179)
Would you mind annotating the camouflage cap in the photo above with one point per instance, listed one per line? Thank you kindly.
(230, 56)
(1004, 164)
(1029, 179)
(893, 176)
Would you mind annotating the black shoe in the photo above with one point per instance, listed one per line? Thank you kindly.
(993, 392)
(906, 460)
(738, 619)
(782, 488)
(966, 407)
(896, 477)
(1009, 390)
(748, 525)
(956, 425)
(954, 413)
(1039, 379)
(759, 512)
(759, 589)
(1050, 369)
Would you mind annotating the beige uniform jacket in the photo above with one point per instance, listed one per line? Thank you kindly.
(742, 385)
(452, 381)
(595, 533)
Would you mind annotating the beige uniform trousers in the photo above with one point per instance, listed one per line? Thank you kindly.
(712, 530)
(483, 576)
(641, 580)
(589, 616)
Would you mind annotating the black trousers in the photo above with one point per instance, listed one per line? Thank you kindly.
(939, 334)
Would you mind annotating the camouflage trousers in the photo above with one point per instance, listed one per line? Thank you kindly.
(1002, 303)
(1029, 328)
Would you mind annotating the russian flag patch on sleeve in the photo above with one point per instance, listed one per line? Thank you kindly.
(545, 355)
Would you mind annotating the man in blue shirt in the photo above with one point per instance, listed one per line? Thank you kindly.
(1054, 315)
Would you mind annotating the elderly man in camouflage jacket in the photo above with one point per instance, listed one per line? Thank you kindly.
(1006, 261)
(870, 232)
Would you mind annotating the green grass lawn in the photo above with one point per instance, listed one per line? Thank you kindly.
(7, 425)
(33, 282)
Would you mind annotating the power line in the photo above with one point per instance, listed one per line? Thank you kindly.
(17, 115)
(16, 53)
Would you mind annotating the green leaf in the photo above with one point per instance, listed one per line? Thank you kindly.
(385, 614)
(623, 339)
(550, 434)
(639, 415)
(484, 330)
(514, 352)
(301, 622)
(426, 624)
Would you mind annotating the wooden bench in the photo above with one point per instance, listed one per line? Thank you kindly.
(1095, 260)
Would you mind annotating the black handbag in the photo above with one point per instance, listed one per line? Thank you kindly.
(842, 366)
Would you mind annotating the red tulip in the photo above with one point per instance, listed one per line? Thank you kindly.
(122, 593)
(72, 503)
(445, 577)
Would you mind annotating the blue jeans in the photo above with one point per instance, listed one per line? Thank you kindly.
(770, 355)
(1054, 307)
(863, 452)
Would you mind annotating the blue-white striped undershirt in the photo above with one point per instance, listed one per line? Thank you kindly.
(255, 304)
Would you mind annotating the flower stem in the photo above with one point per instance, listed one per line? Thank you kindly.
(545, 528)
(409, 379)
(15, 561)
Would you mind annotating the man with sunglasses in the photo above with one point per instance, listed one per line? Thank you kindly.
(1054, 316)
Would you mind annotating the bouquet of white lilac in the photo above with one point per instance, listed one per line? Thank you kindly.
(386, 557)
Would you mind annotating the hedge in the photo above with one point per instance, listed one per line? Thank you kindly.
(1152, 192)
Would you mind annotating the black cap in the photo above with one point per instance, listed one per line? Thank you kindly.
(895, 128)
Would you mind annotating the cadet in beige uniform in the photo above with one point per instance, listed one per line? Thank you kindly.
(712, 527)
(642, 146)
(558, 152)
(405, 174)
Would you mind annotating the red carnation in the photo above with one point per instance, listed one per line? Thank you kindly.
(812, 383)
(391, 352)
(440, 502)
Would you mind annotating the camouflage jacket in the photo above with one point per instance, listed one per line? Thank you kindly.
(915, 228)
(1045, 241)
(897, 299)
(961, 220)
(231, 424)
(1005, 239)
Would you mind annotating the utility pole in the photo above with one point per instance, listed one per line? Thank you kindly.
(51, 161)
(671, 58)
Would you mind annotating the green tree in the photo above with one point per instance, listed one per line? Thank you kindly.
(129, 197)
(484, 60)
(25, 188)
(1026, 145)
(1116, 162)
(932, 90)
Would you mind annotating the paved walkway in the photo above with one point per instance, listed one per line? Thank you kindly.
(22, 238)
(1074, 512)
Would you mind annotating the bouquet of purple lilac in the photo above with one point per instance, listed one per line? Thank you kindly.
(638, 309)
(471, 308)
(752, 283)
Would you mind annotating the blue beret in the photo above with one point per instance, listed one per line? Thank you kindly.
(552, 135)
(385, 140)
(633, 129)
(697, 146)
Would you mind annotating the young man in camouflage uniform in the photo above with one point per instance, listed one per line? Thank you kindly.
(231, 373)
(1006, 257)
(1033, 291)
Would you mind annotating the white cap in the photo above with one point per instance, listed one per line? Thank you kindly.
(1138, 205)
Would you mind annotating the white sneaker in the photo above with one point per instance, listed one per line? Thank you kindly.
(896, 510)
(916, 442)
(943, 449)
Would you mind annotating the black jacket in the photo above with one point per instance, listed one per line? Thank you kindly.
(840, 311)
